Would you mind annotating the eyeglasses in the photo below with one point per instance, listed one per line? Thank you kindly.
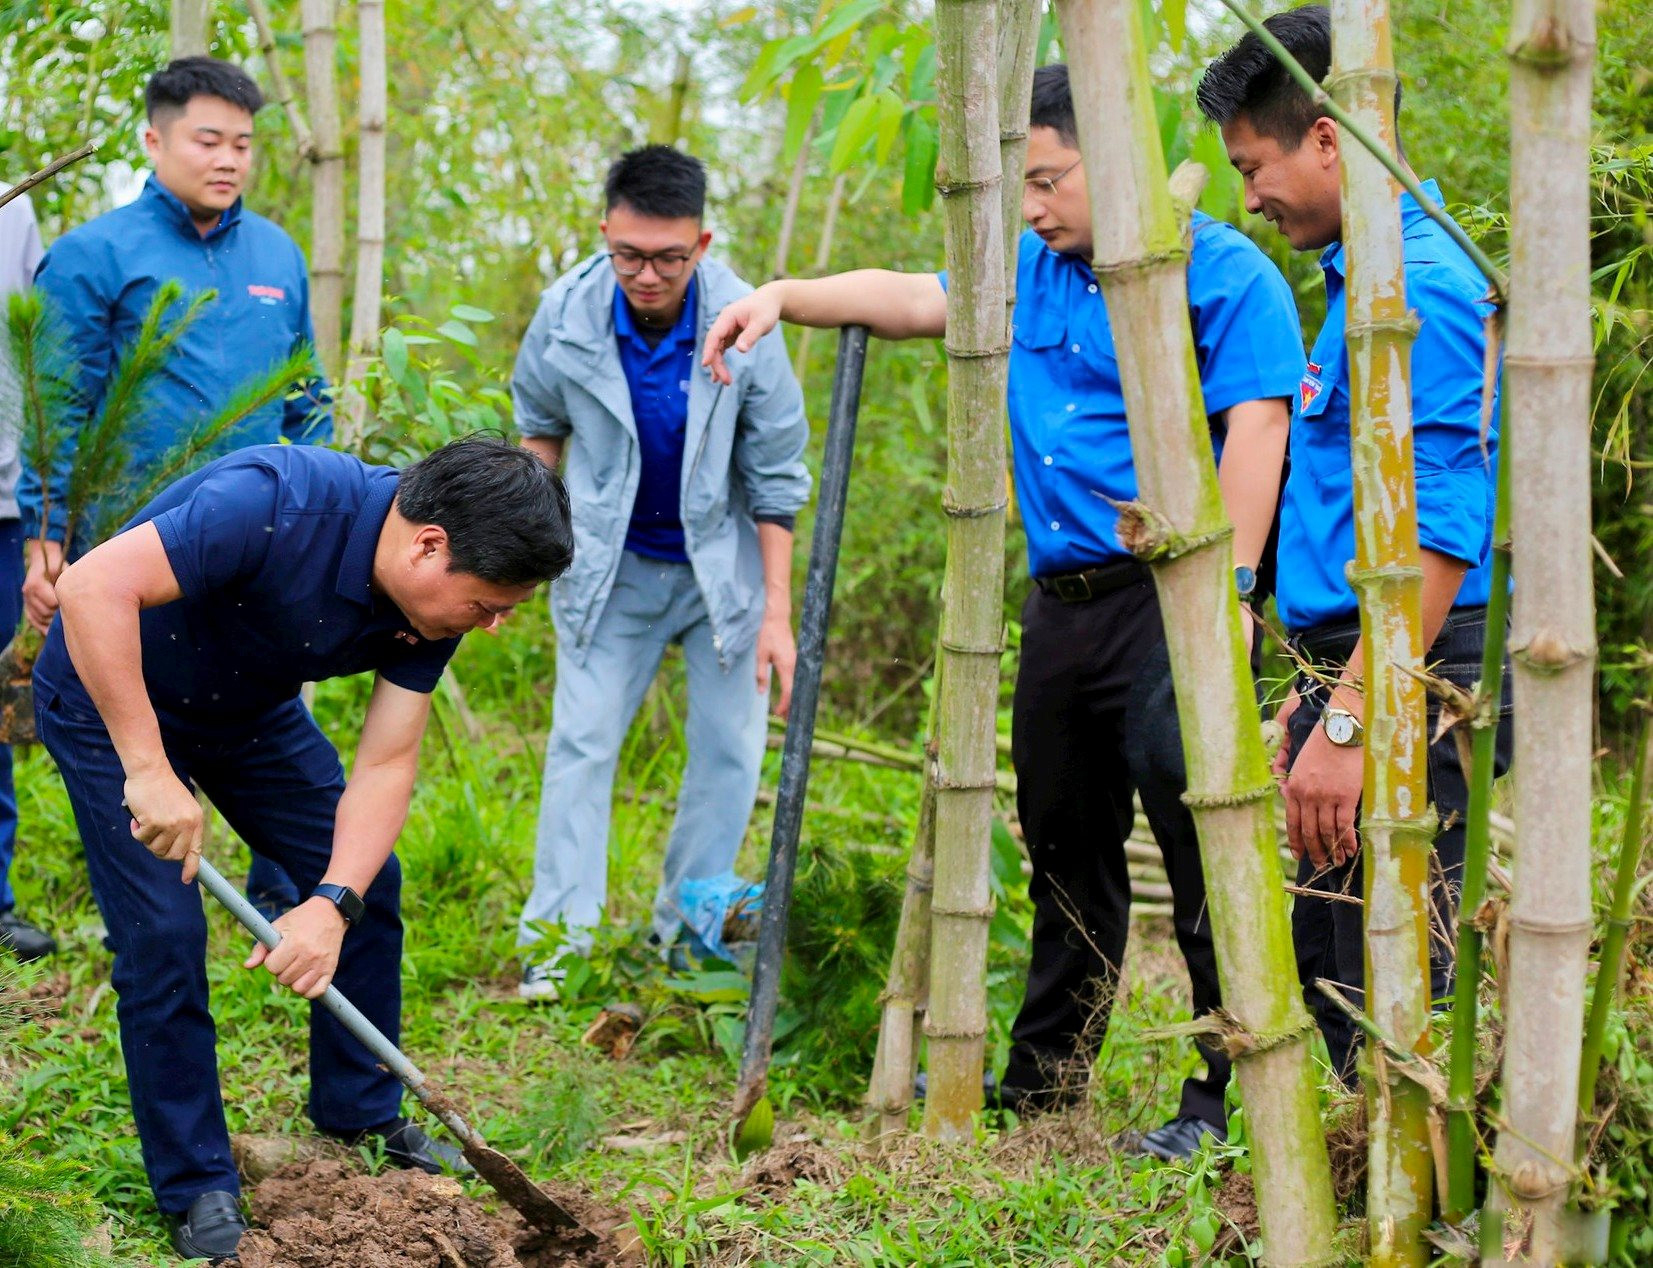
(668, 265)
(1045, 186)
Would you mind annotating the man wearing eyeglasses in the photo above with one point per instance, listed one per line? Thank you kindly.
(684, 492)
(1094, 715)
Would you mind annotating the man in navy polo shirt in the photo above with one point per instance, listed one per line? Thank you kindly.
(1095, 714)
(176, 661)
(685, 496)
(188, 225)
(1287, 151)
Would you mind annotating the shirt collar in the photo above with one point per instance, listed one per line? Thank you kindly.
(175, 208)
(1332, 259)
(625, 326)
(356, 568)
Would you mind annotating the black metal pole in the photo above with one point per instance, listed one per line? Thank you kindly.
(800, 726)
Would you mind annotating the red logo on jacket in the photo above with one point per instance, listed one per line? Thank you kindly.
(269, 294)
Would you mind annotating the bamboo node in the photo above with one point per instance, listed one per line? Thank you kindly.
(1141, 263)
(974, 913)
(1238, 1042)
(1227, 800)
(972, 649)
(1532, 1180)
(1150, 536)
(950, 187)
(1547, 652)
(1419, 825)
(977, 354)
(943, 784)
(959, 511)
(932, 1031)
(1406, 327)
(1373, 577)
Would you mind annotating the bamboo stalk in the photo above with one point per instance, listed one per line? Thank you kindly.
(370, 220)
(321, 89)
(789, 212)
(1018, 50)
(1396, 826)
(967, 176)
(1141, 253)
(281, 87)
(1463, 1146)
(1618, 925)
(190, 28)
(46, 173)
(1548, 369)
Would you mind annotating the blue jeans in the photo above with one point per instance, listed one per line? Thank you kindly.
(277, 781)
(653, 603)
(11, 612)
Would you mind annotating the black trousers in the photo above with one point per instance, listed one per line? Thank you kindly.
(1095, 716)
(1328, 934)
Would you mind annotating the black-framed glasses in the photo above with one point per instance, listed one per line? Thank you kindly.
(1045, 186)
(668, 265)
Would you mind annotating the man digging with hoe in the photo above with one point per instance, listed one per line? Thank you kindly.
(177, 659)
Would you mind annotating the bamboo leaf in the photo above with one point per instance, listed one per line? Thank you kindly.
(918, 178)
(854, 132)
(801, 98)
(1174, 13)
(891, 111)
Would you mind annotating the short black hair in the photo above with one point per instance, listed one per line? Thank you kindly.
(171, 88)
(1053, 103)
(1249, 80)
(659, 181)
(505, 512)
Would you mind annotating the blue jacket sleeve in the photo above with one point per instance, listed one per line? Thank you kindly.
(307, 414)
(78, 283)
(1454, 475)
(771, 433)
(536, 389)
(1246, 331)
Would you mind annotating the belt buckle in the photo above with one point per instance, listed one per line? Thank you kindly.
(1073, 588)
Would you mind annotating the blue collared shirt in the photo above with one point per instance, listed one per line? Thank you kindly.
(273, 549)
(1069, 438)
(658, 377)
(99, 280)
(1455, 478)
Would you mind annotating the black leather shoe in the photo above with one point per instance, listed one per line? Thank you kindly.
(210, 1229)
(22, 939)
(406, 1144)
(1180, 1139)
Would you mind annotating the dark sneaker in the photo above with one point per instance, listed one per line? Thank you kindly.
(408, 1145)
(1180, 1139)
(24, 940)
(211, 1228)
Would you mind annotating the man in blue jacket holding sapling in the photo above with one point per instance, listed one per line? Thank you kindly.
(99, 279)
(684, 494)
(1288, 152)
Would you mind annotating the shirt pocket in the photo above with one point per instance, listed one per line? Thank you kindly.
(1320, 421)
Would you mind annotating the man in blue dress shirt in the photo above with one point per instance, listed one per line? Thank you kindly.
(189, 226)
(1287, 151)
(1095, 715)
(176, 661)
(685, 497)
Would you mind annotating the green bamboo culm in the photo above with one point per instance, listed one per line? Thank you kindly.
(1617, 929)
(1463, 1144)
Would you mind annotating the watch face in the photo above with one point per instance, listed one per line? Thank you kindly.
(1340, 728)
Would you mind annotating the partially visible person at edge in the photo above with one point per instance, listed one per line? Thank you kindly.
(19, 254)
(188, 225)
(1094, 712)
(176, 662)
(1288, 153)
(684, 495)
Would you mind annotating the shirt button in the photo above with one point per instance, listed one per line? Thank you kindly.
(1076, 347)
(1055, 525)
(1071, 407)
(1091, 288)
(1049, 460)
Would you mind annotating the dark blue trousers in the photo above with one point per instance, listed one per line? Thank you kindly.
(277, 781)
(11, 612)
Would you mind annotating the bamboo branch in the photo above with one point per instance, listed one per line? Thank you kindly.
(46, 173)
(1376, 148)
(279, 83)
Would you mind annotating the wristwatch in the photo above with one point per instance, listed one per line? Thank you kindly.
(1245, 581)
(347, 900)
(1342, 728)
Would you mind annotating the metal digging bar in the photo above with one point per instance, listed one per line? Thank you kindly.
(800, 727)
(537, 1206)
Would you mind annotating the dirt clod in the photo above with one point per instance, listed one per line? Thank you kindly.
(326, 1214)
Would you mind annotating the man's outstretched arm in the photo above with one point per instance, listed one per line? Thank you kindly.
(892, 305)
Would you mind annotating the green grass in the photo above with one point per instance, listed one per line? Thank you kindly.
(1057, 1192)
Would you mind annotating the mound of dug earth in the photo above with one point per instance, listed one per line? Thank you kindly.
(325, 1214)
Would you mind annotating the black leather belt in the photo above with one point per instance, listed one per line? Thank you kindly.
(1093, 583)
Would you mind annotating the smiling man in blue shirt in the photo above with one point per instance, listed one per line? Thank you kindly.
(177, 660)
(1095, 715)
(1287, 151)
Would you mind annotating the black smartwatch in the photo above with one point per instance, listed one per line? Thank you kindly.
(347, 900)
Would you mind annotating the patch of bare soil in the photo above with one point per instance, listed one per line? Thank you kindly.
(773, 1173)
(325, 1214)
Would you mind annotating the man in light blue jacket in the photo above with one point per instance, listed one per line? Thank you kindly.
(684, 494)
